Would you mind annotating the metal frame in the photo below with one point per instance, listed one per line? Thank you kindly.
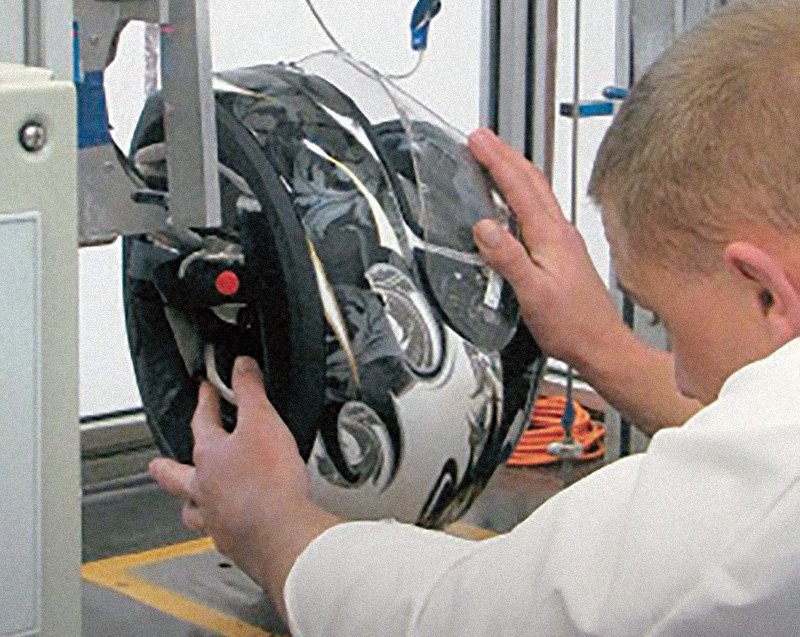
(107, 188)
(519, 62)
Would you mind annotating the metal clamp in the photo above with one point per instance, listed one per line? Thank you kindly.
(111, 203)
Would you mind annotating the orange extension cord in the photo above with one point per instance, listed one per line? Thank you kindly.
(546, 429)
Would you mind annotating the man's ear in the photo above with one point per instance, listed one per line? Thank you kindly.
(772, 288)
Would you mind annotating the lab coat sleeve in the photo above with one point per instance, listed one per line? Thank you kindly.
(386, 578)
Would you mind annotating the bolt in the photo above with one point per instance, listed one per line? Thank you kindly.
(33, 137)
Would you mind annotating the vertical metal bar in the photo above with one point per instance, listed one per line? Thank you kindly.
(33, 33)
(514, 81)
(567, 420)
(544, 45)
(490, 64)
(629, 318)
(189, 116)
(576, 118)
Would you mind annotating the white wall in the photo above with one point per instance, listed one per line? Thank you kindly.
(256, 31)
(106, 375)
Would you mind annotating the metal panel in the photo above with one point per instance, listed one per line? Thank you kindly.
(105, 191)
(695, 11)
(653, 25)
(20, 424)
(107, 209)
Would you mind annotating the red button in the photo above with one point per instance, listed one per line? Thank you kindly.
(227, 283)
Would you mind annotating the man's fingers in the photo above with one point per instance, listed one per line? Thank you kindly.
(251, 397)
(207, 420)
(172, 476)
(522, 184)
(504, 253)
(192, 517)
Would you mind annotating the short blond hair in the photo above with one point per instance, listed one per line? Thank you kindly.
(709, 139)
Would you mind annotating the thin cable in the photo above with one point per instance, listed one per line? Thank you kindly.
(316, 54)
(576, 105)
(323, 26)
(341, 49)
(414, 69)
(569, 416)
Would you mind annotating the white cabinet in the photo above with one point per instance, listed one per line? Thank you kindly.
(39, 456)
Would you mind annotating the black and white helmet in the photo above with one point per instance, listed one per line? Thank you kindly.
(391, 351)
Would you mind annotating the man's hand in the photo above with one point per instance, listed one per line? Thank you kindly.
(562, 298)
(564, 301)
(249, 489)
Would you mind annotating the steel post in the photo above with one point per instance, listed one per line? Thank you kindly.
(189, 119)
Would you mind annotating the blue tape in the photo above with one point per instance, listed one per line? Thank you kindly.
(594, 108)
(615, 93)
(92, 111)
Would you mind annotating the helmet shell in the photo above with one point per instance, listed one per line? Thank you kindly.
(402, 405)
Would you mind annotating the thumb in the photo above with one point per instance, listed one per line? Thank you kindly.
(504, 253)
(172, 476)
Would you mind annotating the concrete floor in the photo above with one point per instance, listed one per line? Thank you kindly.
(125, 513)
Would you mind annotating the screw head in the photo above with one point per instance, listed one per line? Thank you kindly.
(33, 137)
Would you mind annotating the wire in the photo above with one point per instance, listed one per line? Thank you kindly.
(414, 69)
(324, 26)
(341, 49)
(546, 428)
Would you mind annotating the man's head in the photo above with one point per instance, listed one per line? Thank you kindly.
(699, 182)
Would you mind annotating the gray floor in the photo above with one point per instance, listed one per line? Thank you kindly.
(109, 614)
(124, 512)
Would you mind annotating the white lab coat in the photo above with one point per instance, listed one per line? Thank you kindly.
(699, 536)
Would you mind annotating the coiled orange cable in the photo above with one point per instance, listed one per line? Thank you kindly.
(546, 429)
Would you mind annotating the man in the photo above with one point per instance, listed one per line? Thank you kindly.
(699, 183)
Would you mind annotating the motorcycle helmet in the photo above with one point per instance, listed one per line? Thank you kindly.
(345, 264)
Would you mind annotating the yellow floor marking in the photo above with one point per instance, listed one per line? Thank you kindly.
(115, 573)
